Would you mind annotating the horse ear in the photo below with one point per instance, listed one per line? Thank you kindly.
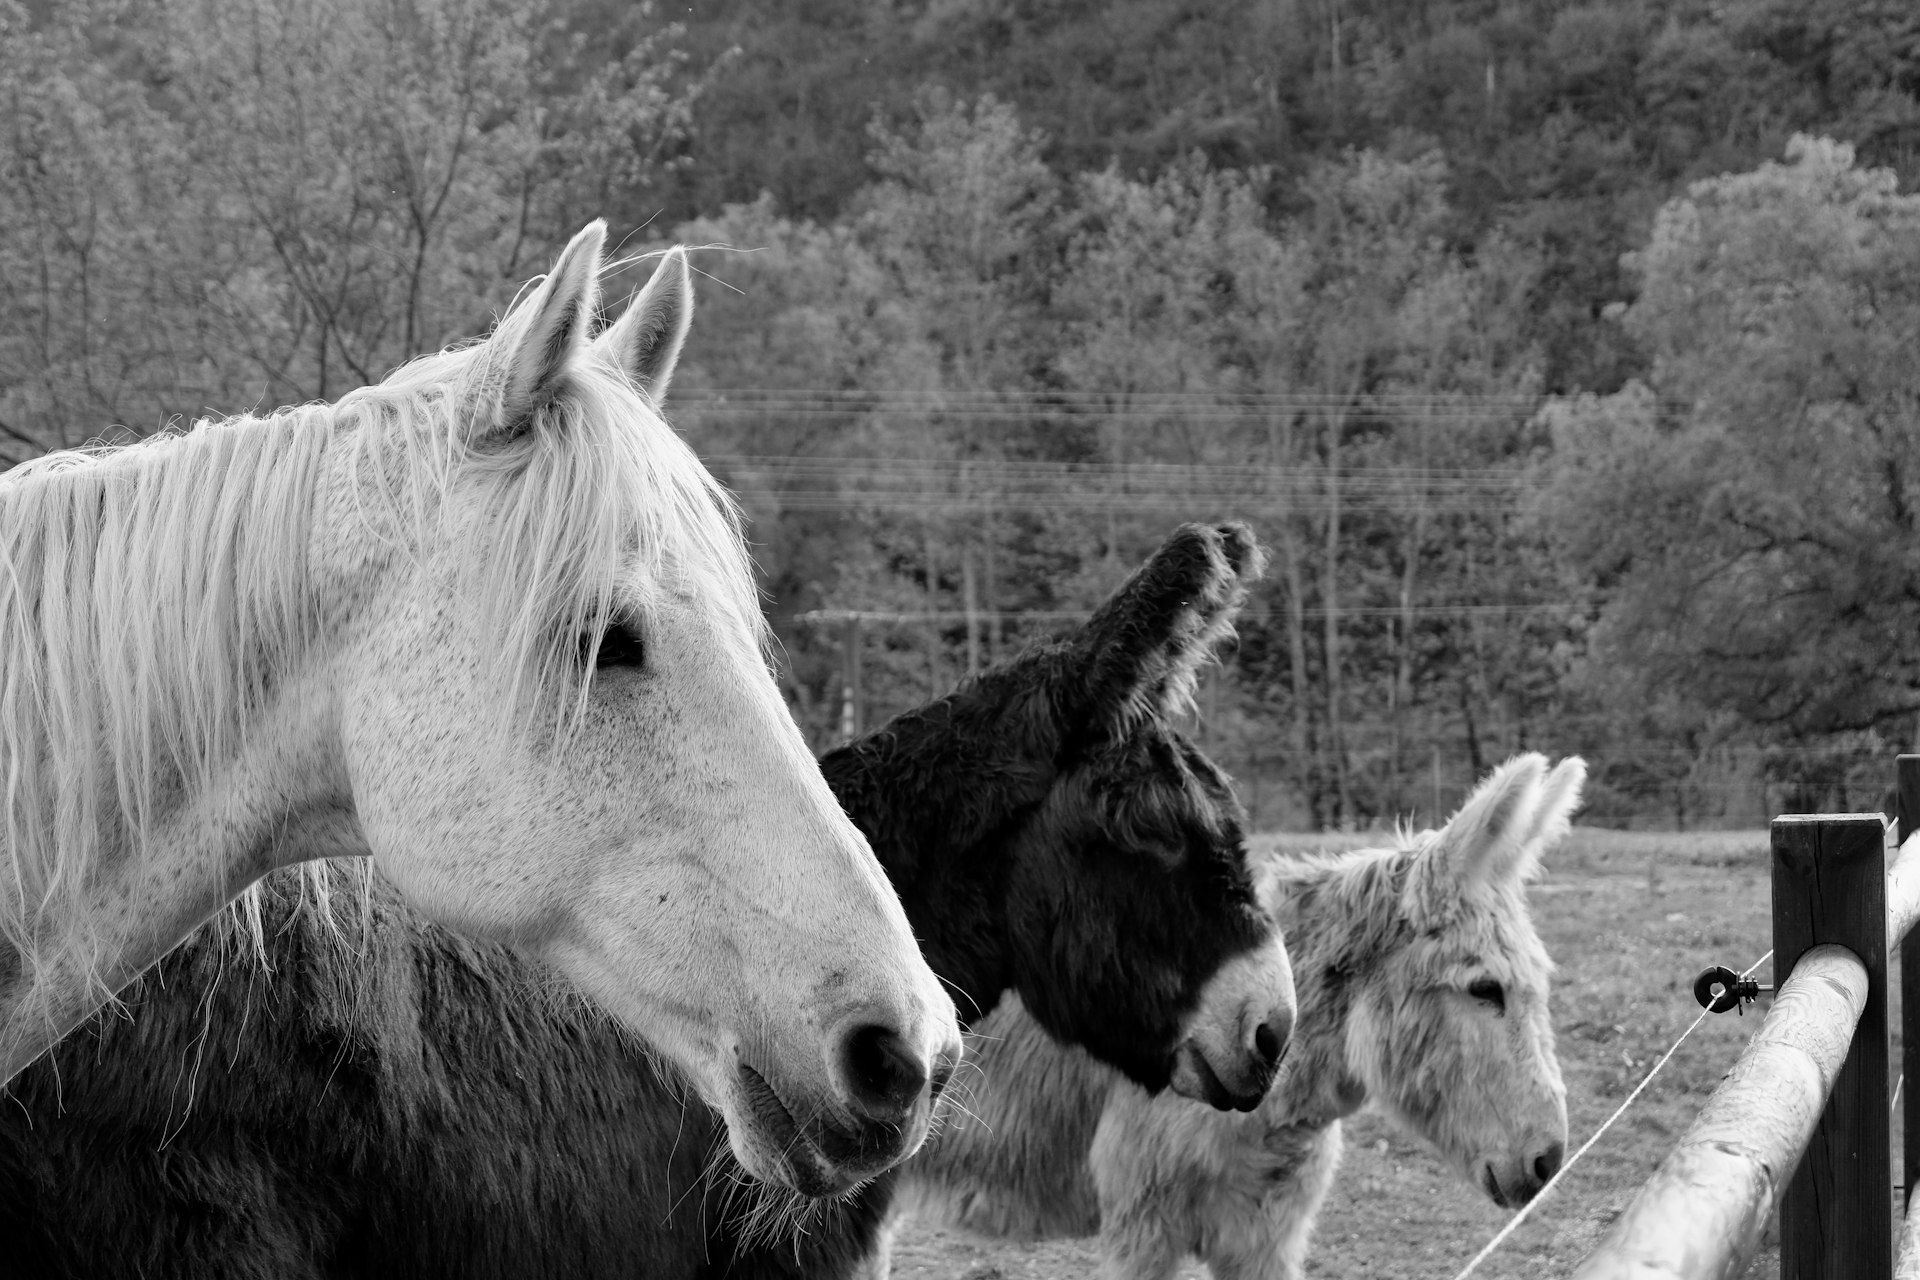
(1141, 649)
(532, 353)
(645, 341)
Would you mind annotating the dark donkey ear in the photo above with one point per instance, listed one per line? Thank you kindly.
(1141, 650)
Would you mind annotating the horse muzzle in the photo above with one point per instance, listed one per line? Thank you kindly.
(884, 1093)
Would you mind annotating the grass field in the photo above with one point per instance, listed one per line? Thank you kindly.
(1629, 917)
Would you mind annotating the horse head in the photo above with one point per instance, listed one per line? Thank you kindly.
(651, 821)
(490, 622)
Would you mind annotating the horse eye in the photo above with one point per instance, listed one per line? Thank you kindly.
(621, 646)
(1490, 991)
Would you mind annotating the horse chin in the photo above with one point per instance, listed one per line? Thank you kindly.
(818, 1158)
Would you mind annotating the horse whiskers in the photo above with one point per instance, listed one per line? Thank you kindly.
(705, 1179)
(761, 1213)
(959, 1093)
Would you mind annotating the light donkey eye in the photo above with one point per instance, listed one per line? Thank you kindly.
(1490, 991)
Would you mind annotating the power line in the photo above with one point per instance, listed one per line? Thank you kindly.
(1059, 617)
(947, 485)
(1018, 470)
(1140, 408)
(1197, 405)
(1071, 396)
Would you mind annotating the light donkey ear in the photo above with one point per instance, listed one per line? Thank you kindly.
(645, 341)
(1553, 819)
(531, 355)
(1486, 842)
(1141, 650)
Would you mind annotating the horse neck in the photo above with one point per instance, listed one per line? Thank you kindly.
(193, 788)
(942, 830)
(268, 806)
(1337, 916)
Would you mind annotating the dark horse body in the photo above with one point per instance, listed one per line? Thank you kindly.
(396, 1101)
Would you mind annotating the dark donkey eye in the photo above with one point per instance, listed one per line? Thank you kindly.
(1489, 990)
(620, 646)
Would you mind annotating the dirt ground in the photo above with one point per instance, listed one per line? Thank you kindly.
(1629, 918)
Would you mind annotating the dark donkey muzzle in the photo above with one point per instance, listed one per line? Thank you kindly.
(1237, 1037)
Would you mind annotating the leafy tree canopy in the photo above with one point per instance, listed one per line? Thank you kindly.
(1750, 508)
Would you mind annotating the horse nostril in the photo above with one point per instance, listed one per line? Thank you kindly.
(1270, 1038)
(882, 1076)
(1547, 1163)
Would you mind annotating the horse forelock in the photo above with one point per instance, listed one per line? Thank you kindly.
(596, 489)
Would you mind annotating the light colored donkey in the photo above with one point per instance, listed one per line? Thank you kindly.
(491, 623)
(1422, 990)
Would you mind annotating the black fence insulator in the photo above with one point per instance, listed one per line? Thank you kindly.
(1719, 989)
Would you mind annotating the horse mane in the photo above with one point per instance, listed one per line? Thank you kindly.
(149, 593)
(152, 594)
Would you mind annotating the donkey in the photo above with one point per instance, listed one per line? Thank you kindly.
(401, 1102)
(491, 623)
(1423, 989)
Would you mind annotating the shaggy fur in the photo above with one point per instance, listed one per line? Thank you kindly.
(391, 1100)
(434, 1110)
(1389, 945)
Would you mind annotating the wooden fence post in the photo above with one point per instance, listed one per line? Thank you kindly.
(1829, 886)
(1907, 819)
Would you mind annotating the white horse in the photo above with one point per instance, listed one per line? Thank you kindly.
(493, 624)
(1422, 989)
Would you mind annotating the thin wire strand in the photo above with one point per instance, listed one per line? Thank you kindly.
(1514, 1222)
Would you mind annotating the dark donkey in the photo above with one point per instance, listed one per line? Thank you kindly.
(409, 1103)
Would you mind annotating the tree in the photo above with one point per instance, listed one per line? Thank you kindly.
(1357, 364)
(94, 327)
(1748, 514)
(959, 222)
(236, 204)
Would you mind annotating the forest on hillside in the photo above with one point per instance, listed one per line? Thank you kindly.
(1560, 353)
